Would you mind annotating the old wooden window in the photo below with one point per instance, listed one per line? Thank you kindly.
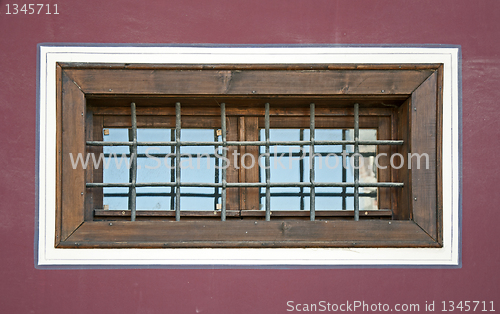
(231, 104)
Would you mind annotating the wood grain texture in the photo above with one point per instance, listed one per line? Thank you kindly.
(439, 153)
(385, 195)
(249, 197)
(200, 107)
(402, 203)
(58, 209)
(240, 104)
(249, 82)
(73, 141)
(303, 233)
(232, 174)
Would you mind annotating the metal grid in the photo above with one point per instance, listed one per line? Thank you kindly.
(177, 184)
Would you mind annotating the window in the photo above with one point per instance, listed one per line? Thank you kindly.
(156, 155)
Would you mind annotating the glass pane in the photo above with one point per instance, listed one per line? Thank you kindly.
(292, 163)
(289, 163)
(116, 169)
(367, 169)
(157, 164)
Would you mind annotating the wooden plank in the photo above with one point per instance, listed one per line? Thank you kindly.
(250, 196)
(384, 175)
(237, 162)
(58, 208)
(402, 203)
(315, 66)
(243, 233)
(150, 121)
(232, 174)
(439, 154)
(249, 82)
(96, 194)
(73, 141)
(241, 104)
(423, 141)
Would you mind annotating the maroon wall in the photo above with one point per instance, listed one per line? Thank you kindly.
(472, 24)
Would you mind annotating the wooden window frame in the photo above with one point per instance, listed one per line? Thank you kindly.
(419, 124)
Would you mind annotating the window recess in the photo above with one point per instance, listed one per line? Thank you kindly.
(264, 183)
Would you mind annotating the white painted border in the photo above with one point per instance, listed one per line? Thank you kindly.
(449, 254)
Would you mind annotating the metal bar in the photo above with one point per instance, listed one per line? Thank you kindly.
(356, 162)
(161, 194)
(301, 170)
(216, 166)
(101, 143)
(178, 161)
(322, 194)
(224, 165)
(107, 185)
(192, 155)
(278, 194)
(133, 168)
(298, 143)
(172, 171)
(344, 172)
(246, 143)
(268, 167)
(250, 184)
(312, 196)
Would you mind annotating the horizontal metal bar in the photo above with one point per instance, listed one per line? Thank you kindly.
(105, 185)
(101, 143)
(110, 143)
(321, 212)
(299, 143)
(187, 155)
(247, 143)
(252, 184)
(318, 194)
(160, 194)
(262, 195)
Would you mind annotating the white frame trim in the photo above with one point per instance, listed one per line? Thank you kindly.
(448, 255)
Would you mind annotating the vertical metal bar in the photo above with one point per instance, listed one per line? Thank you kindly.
(301, 170)
(311, 165)
(133, 168)
(344, 172)
(216, 163)
(224, 160)
(268, 166)
(177, 161)
(356, 162)
(172, 170)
